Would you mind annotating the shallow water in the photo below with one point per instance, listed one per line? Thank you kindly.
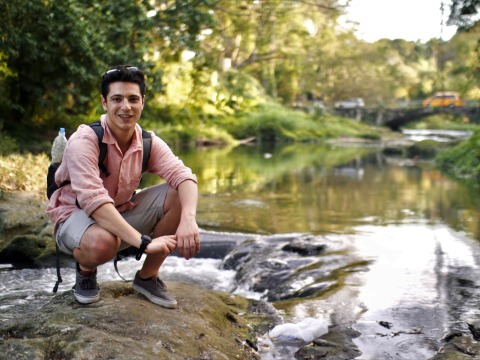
(401, 243)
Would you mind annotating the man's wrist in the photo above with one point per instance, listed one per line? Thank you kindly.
(143, 246)
(189, 214)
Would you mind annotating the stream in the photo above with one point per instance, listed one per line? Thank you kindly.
(339, 234)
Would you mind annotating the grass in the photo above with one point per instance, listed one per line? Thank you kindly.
(274, 123)
(444, 122)
(24, 172)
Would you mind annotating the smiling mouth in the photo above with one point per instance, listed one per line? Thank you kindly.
(123, 116)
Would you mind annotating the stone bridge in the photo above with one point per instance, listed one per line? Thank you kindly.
(396, 118)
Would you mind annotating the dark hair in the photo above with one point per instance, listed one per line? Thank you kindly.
(124, 73)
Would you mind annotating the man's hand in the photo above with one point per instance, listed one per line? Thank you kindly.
(163, 245)
(188, 237)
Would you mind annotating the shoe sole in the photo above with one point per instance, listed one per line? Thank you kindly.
(154, 299)
(86, 299)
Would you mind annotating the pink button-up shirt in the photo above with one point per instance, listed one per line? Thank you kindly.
(91, 188)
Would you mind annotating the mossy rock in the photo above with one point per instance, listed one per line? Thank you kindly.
(124, 325)
(27, 249)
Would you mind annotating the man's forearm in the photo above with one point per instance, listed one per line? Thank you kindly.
(108, 218)
(188, 195)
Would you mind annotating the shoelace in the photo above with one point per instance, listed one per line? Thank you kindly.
(160, 284)
(88, 283)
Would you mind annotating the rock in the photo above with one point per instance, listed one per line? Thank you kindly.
(124, 325)
(305, 248)
(26, 234)
(337, 344)
(259, 265)
(474, 327)
(385, 324)
(26, 249)
(458, 348)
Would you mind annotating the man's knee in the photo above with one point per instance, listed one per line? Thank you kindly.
(100, 244)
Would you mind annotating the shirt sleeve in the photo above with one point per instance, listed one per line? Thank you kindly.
(164, 163)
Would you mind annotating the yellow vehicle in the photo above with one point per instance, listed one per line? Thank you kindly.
(444, 98)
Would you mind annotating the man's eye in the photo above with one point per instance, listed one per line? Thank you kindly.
(116, 99)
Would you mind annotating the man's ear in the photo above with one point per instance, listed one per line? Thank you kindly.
(104, 102)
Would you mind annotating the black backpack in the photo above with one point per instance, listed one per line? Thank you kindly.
(52, 185)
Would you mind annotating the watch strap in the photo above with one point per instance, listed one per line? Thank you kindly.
(143, 246)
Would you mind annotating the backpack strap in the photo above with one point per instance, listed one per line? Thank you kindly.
(59, 276)
(97, 127)
(147, 145)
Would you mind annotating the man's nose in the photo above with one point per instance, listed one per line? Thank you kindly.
(126, 104)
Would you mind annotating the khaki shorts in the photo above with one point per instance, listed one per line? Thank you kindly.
(143, 217)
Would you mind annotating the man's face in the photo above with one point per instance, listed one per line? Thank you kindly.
(123, 105)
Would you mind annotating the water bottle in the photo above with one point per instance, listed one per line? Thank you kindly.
(58, 147)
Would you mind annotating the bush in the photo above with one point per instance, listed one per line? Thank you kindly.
(7, 144)
(273, 123)
(195, 134)
(463, 160)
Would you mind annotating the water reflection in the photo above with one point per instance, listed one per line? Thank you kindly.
(415, 283)
(322, 189)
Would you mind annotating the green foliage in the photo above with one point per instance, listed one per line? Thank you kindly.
(190, 135)
(271, 123)
(275, 123)
(54, 53)
(51, 63)
(238, 91)
(334, 127)
(443, 122)
(7, 144)
(462, 161)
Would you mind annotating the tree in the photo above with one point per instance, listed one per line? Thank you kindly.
(54, 52)
(463, 13)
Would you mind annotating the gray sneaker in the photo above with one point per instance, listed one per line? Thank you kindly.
(86, 289)
(154, 290)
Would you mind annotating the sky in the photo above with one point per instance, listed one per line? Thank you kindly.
(411, 20)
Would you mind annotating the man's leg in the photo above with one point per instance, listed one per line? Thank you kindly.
(166, 226)
(97, 246)
(157, 213)
(91, 246)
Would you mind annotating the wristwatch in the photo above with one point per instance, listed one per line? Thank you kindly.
(143, 246)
